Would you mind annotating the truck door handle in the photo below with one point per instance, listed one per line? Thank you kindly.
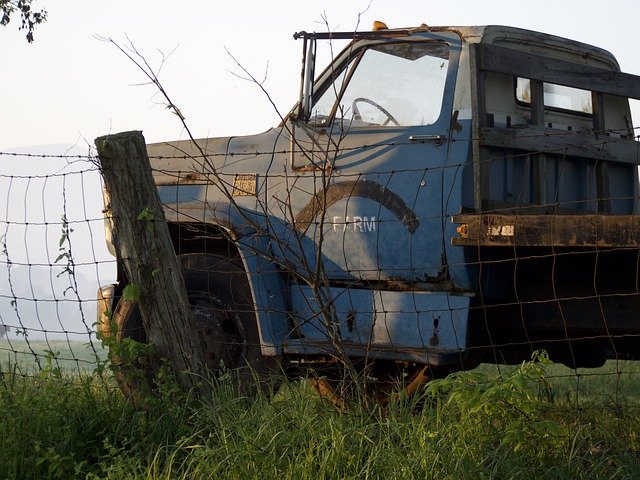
(437, 139)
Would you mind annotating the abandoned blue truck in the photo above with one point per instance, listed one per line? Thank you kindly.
(439, 197)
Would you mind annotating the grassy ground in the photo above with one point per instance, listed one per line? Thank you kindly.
(534, 421)
(616, 383)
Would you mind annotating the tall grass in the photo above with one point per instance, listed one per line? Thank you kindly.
(471, 425)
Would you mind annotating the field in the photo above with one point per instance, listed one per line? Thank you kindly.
(528, 421)
(68, 356)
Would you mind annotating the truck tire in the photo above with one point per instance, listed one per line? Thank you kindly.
(224, 313)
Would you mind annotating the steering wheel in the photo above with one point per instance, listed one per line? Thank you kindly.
(357, 116)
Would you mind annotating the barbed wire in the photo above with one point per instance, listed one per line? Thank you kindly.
(603, 136)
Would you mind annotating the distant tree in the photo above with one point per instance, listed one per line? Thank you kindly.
(29, 17)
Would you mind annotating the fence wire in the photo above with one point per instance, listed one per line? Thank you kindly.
(52, 258)
(493, 305)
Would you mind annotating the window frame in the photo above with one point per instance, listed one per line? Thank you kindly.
(551, 108)
(351, 62)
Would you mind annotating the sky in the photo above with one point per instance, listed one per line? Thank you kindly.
(70, 86)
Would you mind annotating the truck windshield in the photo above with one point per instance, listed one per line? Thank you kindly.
(389, 85)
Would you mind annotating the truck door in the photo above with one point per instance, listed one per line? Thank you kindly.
(365, 186)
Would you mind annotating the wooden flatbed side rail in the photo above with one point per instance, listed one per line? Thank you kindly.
(547, 140)
(492, 230)
(494, 58)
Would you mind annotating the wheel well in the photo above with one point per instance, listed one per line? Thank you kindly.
(194, 237)
(201, 237)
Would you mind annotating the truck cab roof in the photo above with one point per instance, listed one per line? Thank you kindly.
(507, 36)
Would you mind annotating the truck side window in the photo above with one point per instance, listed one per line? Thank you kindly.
(388, 85)
(556, 97)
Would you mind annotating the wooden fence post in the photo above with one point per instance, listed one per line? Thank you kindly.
(143, 246)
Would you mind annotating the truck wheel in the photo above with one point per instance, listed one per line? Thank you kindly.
(224, 313)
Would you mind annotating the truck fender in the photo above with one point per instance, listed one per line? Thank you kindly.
(268, 289)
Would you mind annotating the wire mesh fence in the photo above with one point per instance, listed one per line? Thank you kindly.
(403, 283)
(53, 258)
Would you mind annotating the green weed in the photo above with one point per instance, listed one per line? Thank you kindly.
(471, 425)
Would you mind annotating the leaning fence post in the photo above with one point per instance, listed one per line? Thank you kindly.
(143, 247)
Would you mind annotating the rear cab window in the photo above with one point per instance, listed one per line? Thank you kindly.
(556, 97)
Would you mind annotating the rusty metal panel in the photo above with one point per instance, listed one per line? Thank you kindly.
(394, 325)
(547, 230)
